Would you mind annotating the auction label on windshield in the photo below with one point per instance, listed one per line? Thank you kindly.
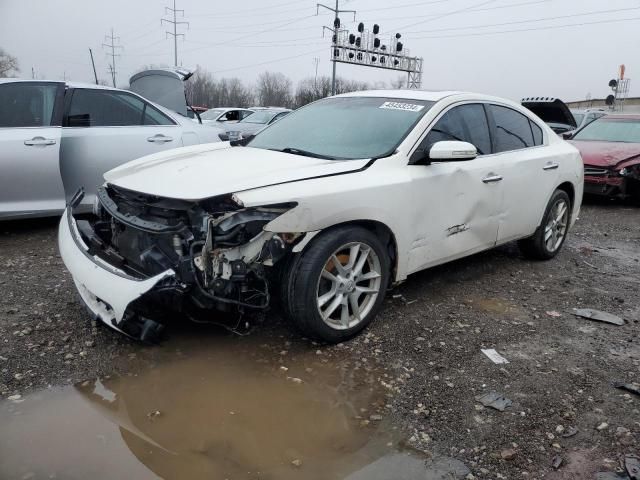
(409, 107)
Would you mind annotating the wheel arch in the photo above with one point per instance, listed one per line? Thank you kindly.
(570, 190)
(376, 227)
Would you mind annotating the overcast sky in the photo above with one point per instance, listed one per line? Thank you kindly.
(510, 48)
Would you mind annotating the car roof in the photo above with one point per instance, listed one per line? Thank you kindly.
(409, 94)
(69, 84)
(622, 116)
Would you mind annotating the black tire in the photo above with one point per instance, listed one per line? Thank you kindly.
(301, 283)
(535, 247)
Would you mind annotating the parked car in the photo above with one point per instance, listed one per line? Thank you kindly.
(553, 111)
(217, 116)
(585, 117)
(57, 135)
(261, 118)
(324, 209)
(610, 149)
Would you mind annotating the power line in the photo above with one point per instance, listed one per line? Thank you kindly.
(113, 47)
(175, 33)
(254, 10)
(470, 10)
(448, 14)
(269, 61)
(552, 27)
(277, 27)
(519, 22)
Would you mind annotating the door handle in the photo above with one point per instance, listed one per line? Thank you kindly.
(159, 139)
(491, 178)
(40, 141)
(550, 166)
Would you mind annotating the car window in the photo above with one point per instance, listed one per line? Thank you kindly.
(538, 137)
(611, 130)
(466, 123)
(105, 108)
(153, 116)
(513, 129)
(578, 117)
(24, 104)
(245, 114)
(278, 117)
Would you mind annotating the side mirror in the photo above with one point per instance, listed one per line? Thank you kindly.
(450, 151)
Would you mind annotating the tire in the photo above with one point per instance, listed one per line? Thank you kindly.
(549, 237)
(326, 273)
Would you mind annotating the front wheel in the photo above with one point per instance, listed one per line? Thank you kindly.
(335, 288)
(549, 237)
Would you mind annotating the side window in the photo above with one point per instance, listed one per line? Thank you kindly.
(466, 123)
(538, 138)
(245, 114)
(152, 116)
(105, 108)
(25, 104)
(513, 129)
(278, 117)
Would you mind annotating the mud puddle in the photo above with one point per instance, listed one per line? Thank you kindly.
(234, 410)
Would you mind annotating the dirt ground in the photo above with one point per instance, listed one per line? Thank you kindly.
(427, 341)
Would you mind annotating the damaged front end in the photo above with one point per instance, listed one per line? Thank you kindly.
(217, 253)
(613, 182)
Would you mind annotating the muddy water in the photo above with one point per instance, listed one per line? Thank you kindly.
(224, 411)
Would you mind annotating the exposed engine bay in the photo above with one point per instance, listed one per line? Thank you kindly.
(219, 251)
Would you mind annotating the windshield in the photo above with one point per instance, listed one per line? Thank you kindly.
(578, 117)
(611, 130)
(211, 114)
(262, 117)
(345, 127)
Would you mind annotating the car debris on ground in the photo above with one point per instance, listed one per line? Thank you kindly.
(598, 316)
(494, 356)
(494, 400)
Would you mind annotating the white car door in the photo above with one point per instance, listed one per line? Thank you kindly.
(455, 204)
(30, 124)
(105, 128)
(529, 168)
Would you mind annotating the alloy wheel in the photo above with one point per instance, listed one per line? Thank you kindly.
(349, 285)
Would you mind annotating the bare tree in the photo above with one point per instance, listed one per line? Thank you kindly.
(309, 90)
(8, 64)
(274, 90)
(398, 83)
(203, 90)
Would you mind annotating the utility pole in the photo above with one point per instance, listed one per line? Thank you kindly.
(316, 61)
(175, 24)
(33, 73)
(94, 66)
(112, 67)
(335, 30)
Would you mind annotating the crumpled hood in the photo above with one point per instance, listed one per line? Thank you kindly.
(606, 154)
(203, 171)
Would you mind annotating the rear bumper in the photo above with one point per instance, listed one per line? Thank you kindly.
(104, 289)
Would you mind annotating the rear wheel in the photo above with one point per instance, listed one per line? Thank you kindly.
(549, 237)
(336, 286)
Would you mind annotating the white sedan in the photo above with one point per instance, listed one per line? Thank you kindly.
(324, 209)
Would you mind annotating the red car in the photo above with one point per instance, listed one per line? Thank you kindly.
(610, 149)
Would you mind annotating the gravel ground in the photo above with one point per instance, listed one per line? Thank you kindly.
(427, 339)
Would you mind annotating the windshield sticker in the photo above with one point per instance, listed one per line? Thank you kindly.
(409, 107)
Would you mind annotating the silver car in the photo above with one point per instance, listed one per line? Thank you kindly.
(57, 137)
(261, 118)
(224, 115)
